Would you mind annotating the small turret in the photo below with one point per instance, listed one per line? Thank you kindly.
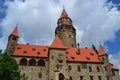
(12, 41)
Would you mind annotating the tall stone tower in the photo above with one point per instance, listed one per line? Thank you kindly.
(12, 41)
(65, 30)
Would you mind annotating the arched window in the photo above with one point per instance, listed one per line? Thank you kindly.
(32, 62)
(41, 63)
(61, 76)
(23, 62)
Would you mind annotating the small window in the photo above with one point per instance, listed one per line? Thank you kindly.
(105, 68)
(91, 77)
(81, 77)
(107, 77)
(44, 49)
(72, 58)
(40, 75)
(19, 48)
(69, 68)
(98, 69)
(70, 78)
(91, 54)
(99, 78)
(38, 52)
(84, 66)
(87, 58)
(113, 73)
(60, 61)
(78, 67)
(90, 69)
(24, 52)
(52, 57)
(33, 49)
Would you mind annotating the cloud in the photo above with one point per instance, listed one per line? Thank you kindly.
(94, 20)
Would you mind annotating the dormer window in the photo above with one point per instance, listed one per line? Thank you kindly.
(91, 54)
(44, 49)
(33, 49)
(38, 52)
(24, 52)
(18, 48)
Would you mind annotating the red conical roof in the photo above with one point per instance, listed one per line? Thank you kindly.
(101, 50)
(64, 14)
(15, 32)
(57, 43)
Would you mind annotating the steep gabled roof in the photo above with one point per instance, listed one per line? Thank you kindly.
(101, 50)
(15, 32)
(64, 14)
(57, 43)
(30, 50)
(85, 55)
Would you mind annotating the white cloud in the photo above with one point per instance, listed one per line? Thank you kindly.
(37, 20)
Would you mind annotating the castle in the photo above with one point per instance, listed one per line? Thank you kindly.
(63, 59)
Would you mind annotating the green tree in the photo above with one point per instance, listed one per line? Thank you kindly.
(8, 68)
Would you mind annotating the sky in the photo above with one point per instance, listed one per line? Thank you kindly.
(96, 21)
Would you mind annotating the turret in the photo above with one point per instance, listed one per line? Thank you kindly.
(104, 58)
(65, 30)
(12, 41)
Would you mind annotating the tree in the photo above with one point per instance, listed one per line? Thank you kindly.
(8, 68)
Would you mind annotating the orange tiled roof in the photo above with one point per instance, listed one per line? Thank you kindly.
(64, 14)
(15, 32)
(30, 50)
(101, 51)
(86, 55)
(57, 43)
(113, 67)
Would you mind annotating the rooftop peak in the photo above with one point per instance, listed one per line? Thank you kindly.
(15, 32)
(64, 14)
(101, 50)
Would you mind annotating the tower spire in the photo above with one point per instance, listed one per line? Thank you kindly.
(15, 32)
(101, 50)
(64, 14)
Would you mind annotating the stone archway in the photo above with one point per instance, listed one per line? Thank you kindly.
(61, 76)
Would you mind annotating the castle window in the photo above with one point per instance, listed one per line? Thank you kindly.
(98, 69)
(14, 38)
(105, 68)
(81, 77)
(23, 62)
(70, 78)
(84, 66)
(52, 57)
(78, 67)
(41, 63)
(107, 78)
(40, 75)
(32, 62)
(91, 77)
(113, 73)
(99, 78)
(60, 61)
(69, 68)
(90, 69)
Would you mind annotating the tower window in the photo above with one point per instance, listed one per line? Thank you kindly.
(14, 38)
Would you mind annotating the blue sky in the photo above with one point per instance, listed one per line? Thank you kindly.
(95, 21)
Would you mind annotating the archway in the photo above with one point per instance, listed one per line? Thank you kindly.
(61, 76)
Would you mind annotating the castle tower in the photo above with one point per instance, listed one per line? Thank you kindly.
(65, 30)
(104, 58)
(12, 41)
